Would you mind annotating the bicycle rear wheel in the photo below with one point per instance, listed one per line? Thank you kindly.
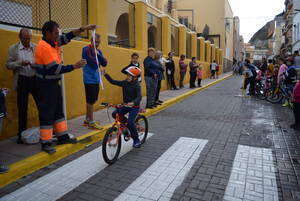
(111, 145)
(141, 124)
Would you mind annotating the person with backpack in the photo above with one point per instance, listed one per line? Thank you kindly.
(251, 79)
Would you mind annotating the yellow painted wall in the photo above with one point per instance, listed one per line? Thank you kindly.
(75, 96)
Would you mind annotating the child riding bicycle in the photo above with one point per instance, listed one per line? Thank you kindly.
(132, 97)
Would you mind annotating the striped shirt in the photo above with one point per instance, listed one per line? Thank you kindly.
(26, 54)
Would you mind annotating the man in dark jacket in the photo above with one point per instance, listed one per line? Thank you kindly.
(170, 69)
(252, 68)
(150, 78)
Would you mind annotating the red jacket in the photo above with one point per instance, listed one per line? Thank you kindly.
(296, 93)
(182, 66)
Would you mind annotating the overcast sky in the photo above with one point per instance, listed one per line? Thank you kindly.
(254, 14)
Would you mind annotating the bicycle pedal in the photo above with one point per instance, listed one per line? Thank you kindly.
(126, 138)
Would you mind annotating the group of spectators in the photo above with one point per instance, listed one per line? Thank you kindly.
(155, 69)
(281, 70)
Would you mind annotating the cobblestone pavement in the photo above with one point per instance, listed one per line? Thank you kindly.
(212, 146)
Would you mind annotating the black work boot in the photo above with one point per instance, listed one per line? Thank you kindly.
(65, 139)
(48, 148)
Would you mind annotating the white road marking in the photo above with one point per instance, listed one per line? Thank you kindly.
(66, 178)
(161, 179)
(252, 176)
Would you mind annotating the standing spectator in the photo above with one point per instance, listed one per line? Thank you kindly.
(217, 70)
(134, 62)
(252, 76)
(183, 69)
(213, 68)
(283, 67)
(297, 59)
(91, 79)
(296, 106)
(270, 68)
(199, 75)
(290, 78)
(170, 69)
(49, 69)
(193, 72)
(160, 75)
(150, 78)
(264, 66)
(20, 60)
(3, 93)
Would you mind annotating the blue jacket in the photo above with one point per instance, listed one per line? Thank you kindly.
(91, 70)
(159, 69)
(149, 71)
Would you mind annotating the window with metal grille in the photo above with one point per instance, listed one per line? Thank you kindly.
(154, 32)
(33, 14)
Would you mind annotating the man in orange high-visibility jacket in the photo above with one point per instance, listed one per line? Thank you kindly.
(49, 69)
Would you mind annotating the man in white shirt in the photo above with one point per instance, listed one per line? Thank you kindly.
(20, 59)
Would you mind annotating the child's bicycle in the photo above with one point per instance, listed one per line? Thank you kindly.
(112, 142)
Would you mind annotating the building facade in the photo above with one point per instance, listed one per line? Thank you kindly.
(217, 25)
(296, 32)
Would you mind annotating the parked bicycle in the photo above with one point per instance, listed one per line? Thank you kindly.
(112, 142)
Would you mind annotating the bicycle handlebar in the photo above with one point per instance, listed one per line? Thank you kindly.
(113, 105)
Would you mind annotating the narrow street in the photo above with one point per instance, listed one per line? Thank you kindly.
(211, 146)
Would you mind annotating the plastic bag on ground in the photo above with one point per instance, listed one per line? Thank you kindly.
(31, 136)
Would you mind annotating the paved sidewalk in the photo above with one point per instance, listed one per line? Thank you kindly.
(11, 152)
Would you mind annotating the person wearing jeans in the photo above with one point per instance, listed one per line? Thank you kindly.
(193, 72)
(183, 69)
(132, 96)
(150, 75)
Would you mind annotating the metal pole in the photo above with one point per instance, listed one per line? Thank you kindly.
(63, 91)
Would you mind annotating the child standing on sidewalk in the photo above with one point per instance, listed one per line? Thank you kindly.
(296, 105)
(199, 75)
(3, 93)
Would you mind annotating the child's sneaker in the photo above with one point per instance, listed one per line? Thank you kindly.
(137, 144)
(94, 125)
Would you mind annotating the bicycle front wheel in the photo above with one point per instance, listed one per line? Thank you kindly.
(141, 124)
(111, 145)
